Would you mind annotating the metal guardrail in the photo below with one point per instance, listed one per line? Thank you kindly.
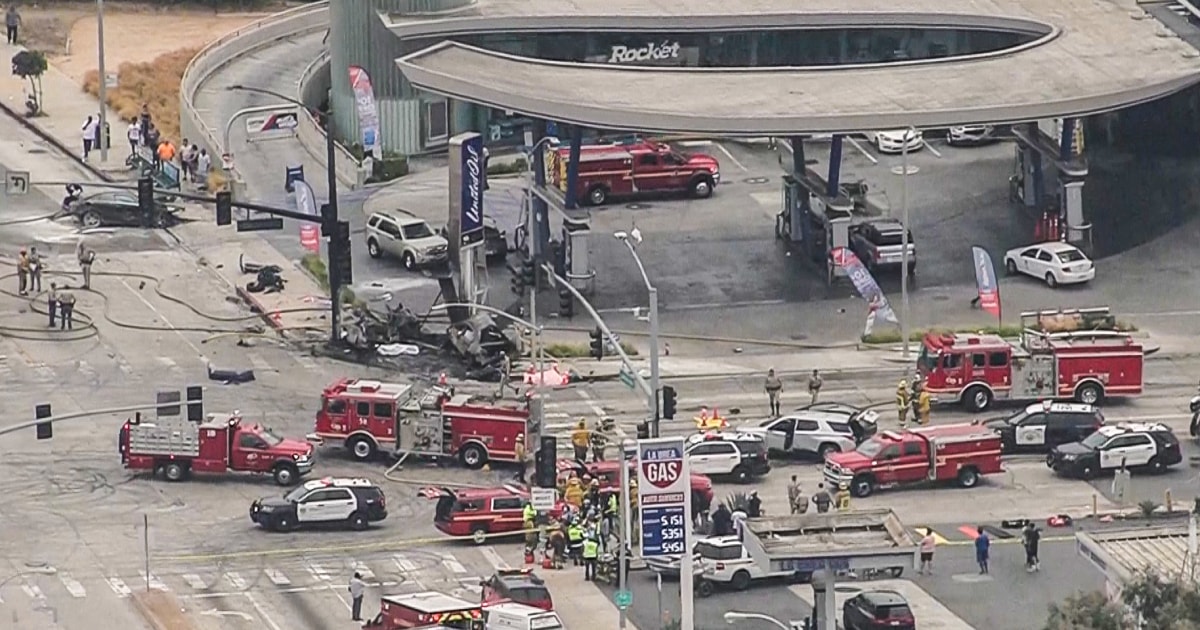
(229, 47)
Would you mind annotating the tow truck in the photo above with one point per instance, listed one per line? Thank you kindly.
(949, 452)
(219, 444)
(368, 416)
(1085, 366)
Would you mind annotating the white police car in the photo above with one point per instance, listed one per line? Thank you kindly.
(354, 503)
(738, 455)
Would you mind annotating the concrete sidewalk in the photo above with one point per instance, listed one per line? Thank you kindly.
(579, 602)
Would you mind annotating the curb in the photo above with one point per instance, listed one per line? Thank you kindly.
(846, 374)
(41, 133)
(270, 318)
(152, 617)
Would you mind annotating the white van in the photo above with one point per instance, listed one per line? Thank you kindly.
(513, 616)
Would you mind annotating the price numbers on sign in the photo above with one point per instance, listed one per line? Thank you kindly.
(672, 520)
(672, 547)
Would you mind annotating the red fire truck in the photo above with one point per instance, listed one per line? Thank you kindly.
(633, 169)
(221, 443)
(958, 453)
(367, 416)
(977, 369)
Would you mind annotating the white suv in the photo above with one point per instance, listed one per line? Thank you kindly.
(817, 430)
(406, 237)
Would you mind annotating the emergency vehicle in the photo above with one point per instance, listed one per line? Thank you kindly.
(977, 369)
(367, 417)
(633, 169)
(481, 512)
(218, 444)
(513, 616)
(961, 453)
(421, 610)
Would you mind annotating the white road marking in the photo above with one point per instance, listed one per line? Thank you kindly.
(118, 586)
(162, 317)
(493, 557)
(694, 143)
(404, 564)
(259, 363)
(170, 364)
(262, 612)
(194, 581)
(277, 577)
(33, 591)
(591, 403)
(293, 589)
(471, 585)
(933, 150)
(307, 362)
(367, 574)
(236, 580)
(556, 414)
(861, 149)
(452, 563)
(318, 572)
(73, 586)
(730, 156)
(155, 583)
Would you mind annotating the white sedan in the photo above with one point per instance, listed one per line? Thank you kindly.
(894, 141)
(1056, 263)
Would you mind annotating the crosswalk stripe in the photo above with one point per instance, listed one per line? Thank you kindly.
(118, 586)
(363, 570)
(493, 557)
(73, 586)
(306, 362)
(404, 564)
(33, 591)
(318, 572)
(277, 577)
(236, 580)
(155, 583)
(258, 363)
(194, 581)
(452, 563)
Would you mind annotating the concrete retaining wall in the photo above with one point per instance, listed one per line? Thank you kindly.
(312, 88)
(245, 40)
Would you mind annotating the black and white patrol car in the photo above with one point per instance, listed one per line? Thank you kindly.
(740, 456)
(354, 503)
(1150, 447)
(1044, 425)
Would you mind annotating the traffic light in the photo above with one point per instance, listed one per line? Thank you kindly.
(668, 402)
(518, 281)
(529, 273)
(195, 403)
(643, 431)
(545, 463)
(45, 430)
(145, 190)
(566, 303)
(342, 262)
(224, 208)
(597, 344)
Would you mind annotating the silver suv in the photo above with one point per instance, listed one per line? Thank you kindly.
(817, 429)
(404, 236)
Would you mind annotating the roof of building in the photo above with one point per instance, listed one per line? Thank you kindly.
(1087, 57)
(1121, 553)
(831, 533)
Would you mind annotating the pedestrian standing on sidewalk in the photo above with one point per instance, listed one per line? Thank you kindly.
(134, 135)
(12, 23)
(983, 549)
(357, 587)
(773, 386)
(1030, 539)
(66, 307)
(814, 385)
(89, 128)
(23, 272)
(928, 543)
(35, 270)
(203, 164)
(52, 303)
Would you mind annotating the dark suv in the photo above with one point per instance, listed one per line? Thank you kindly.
(876, 610)
(1040, 427)
(1135, 446)
(522, 586)
(879, 244)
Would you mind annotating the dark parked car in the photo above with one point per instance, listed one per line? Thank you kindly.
(871, 610)
(117, 208)
(495, 240)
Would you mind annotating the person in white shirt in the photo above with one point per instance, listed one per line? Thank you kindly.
(357, 586)
(203, 164)
(90, 127)
(134, 134)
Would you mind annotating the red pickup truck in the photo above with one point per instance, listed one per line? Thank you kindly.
(961, 453)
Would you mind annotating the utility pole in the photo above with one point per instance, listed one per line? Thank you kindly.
(655, 386)
(909, 133)
(103, 89)
(626, 538)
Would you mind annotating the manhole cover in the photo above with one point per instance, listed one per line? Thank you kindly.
(913, 169)
(757, 180)
(637, 206)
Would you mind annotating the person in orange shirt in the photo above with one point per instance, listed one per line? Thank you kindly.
(166, 152)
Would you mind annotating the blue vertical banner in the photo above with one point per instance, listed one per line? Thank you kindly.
(464, 225)
(865, 283)
(664, 495)
(985, 281)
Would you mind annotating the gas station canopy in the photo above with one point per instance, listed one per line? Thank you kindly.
(1082, 58)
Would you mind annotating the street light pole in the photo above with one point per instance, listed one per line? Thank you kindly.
(909, 133)
(653, 316)
(330, 218)
(530, 227)
(103, 89)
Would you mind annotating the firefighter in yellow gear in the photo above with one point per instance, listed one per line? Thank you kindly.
(842, 498)
(902, 403)
(923, 405)
(581, 439)
(573, 494)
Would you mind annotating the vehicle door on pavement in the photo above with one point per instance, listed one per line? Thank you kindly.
(647, 174)
(1027, 260)
(1031, 431)
(885, 467)
(807, 439)
(250, 453)
(778, 432)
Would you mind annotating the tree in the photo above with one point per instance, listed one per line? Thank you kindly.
(31, 65)
(1157, 601)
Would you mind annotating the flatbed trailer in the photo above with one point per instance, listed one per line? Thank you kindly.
(804, 544)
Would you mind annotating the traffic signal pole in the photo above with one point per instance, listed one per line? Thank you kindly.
(654, 375)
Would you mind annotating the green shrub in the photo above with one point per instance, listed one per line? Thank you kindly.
(313, 264)
(508, 167)
(579, 350)
(390, 167)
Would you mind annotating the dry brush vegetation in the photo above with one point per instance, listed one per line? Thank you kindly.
(155, 82)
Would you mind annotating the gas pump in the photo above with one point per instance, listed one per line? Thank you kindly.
(789, 223)
(575, 234)
(834, 217)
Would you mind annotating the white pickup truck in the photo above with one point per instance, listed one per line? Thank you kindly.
(717, 561)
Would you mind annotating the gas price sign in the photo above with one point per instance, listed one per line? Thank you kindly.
(663, 496)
